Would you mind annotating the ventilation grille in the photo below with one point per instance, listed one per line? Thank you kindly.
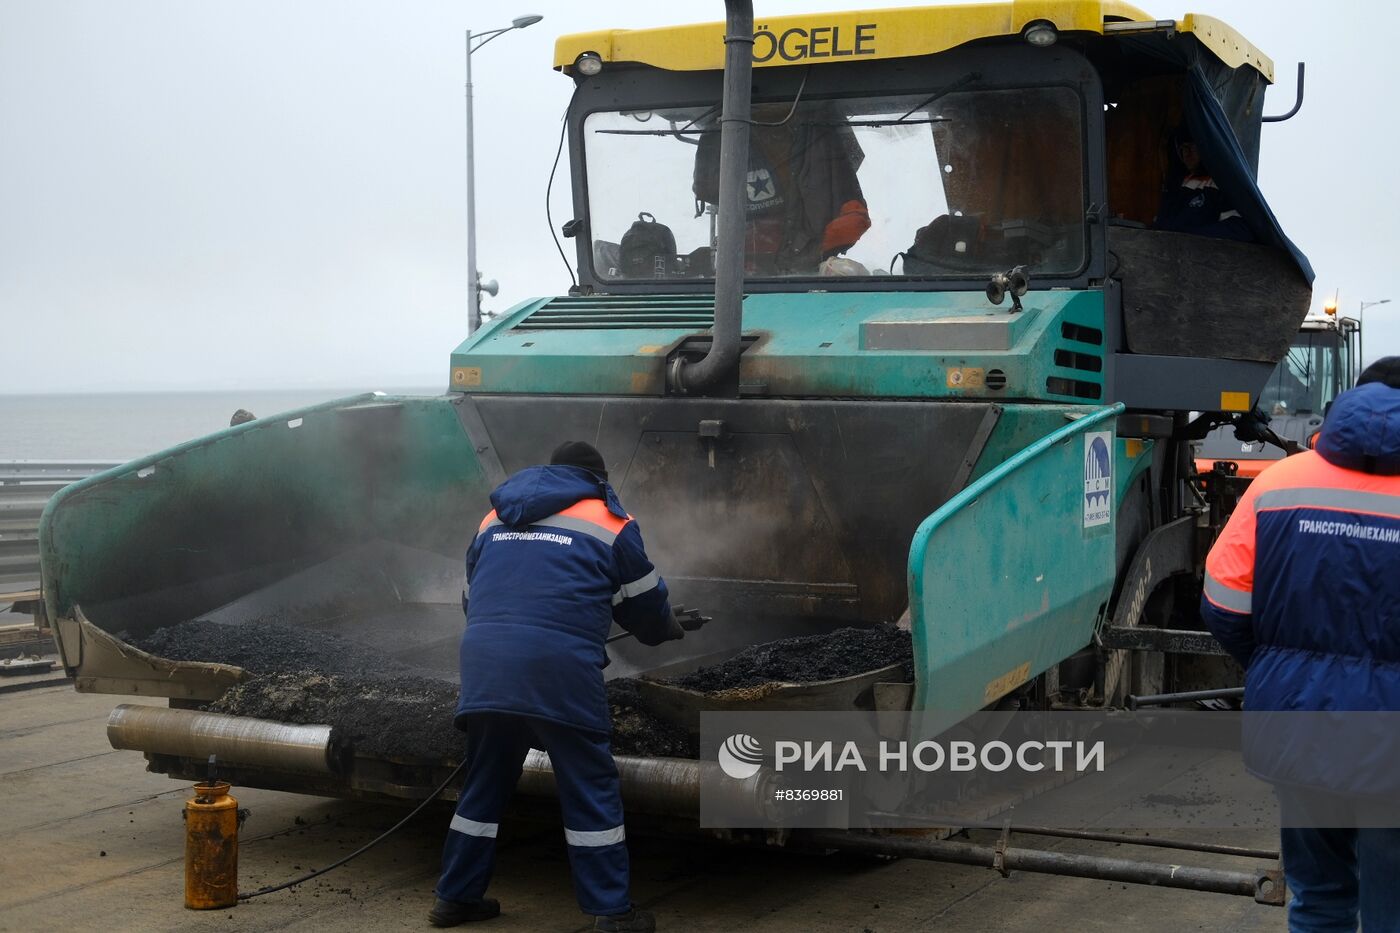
(1085, 357)
(1075, 388)
(1071, 331)
(624, 312)
(1087, 362)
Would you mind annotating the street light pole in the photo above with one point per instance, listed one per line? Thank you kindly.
(1361, 326)
(473, 276)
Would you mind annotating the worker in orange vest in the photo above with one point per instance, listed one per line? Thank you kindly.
(1303, 589)
(554, 564)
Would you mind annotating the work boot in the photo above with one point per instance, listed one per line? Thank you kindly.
(634, 921)
(451, 913)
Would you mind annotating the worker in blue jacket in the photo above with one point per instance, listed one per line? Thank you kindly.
(1303, 589)
(553, 565)
(1191, 200)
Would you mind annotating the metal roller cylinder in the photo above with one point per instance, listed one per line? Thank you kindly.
(662, 786)
(259, 743)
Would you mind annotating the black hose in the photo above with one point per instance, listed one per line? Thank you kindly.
(797, 98)
(1285, 444)
(364, 848)
(549, 192)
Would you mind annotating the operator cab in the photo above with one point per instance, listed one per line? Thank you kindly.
(914, 150)
(1318, 368)
(911, 149)
(1322, 362)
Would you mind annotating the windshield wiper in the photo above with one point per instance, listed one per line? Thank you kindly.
(957, 85)
(903, 120)
(876, 123)
(679, 134)
(900, 122)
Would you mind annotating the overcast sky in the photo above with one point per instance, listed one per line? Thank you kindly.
(271, 194)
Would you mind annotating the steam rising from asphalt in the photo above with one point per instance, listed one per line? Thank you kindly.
(349, 523)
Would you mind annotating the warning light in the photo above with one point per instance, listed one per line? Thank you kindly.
(589, 64)
(1330, 308)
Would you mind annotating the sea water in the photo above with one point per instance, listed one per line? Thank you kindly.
(120, 426)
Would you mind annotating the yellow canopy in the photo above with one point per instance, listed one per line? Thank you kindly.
(820, 38)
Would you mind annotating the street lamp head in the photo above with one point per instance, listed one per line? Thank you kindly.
(476, 286)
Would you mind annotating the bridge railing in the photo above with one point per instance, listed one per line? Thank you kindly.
(25, 487)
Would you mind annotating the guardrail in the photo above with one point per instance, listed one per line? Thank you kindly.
(25, 487)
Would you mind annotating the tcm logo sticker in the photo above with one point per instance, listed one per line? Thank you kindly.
(740, 756)
(1098, 479)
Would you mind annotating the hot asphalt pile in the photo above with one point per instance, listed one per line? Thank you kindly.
(638, 732)
(410, 718)
(381, 707)
(266, 648)
(392, 715)
(808, 658)
(372, 703)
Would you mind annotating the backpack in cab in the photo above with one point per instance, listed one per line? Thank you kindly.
(648, 249)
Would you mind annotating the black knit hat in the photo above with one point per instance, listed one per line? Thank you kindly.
(579, 454)
(1386, 370)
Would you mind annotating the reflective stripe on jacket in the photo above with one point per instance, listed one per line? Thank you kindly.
(1303, 585)
(552, 566)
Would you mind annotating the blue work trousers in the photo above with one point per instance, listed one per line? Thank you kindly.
(586, 779)
(1334, 874)
(1341, 873)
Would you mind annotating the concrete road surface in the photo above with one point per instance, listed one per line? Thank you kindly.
(90, 841)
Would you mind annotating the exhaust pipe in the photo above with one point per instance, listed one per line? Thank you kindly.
(722, 360)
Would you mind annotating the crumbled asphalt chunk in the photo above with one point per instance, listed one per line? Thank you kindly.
(267, 648)
(410, 718)
(808, 658)
(382, 708)
(393, 716)
(638, 732)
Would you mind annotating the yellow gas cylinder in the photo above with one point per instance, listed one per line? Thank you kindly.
(211, 847)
